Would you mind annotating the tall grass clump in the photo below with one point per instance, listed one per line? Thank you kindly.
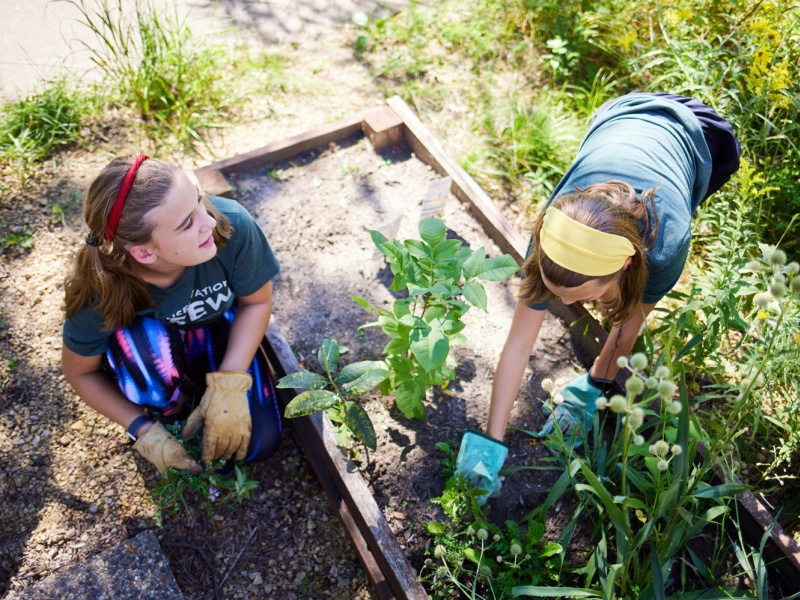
(149, 55)
(33, 128)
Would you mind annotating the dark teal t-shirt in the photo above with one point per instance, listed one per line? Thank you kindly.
(648, 141)
(204, 292)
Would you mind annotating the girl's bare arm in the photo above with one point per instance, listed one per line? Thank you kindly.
(248, 329)
(619, 343)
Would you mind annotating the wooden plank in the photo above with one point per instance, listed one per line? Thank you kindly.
(288, 148)
(383, 127)
(212, 182)
(376, 543)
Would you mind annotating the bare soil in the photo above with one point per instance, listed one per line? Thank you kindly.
(316, 211)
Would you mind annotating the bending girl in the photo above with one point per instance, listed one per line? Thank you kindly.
(616, 230)
(168, 303)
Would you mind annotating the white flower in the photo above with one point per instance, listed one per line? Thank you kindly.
(439, 551)
(547, 385)
(663, 372)
(515, 549)
(762, 300)
(663, 465)
(638, 440)
(634, 385)
(558, 399)
(651, 383)
(560, 382)
(618, 404)
(793, 268)
(636, 418)
(674, 408)
(601, 403)
(778, 289)
(665, 389)
(482, 534)
(659, 448)
(778, 258)
(639, 361)
(676, 449)
(622, 362)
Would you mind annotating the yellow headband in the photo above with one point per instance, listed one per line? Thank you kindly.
(580, 248)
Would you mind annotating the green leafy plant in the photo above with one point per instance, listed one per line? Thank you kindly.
(21, 239)
(353, 380)
(441, 278)
(213, 486)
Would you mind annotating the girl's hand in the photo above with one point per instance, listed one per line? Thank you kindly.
(161, 449)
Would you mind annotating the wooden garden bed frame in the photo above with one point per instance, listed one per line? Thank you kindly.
(384, 559)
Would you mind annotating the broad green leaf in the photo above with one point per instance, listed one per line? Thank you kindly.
(435, 528)
(389, 326)
(396, 346)
(458, 339)
(355, 370)
(367, 381)
(475, 294)
(550, 549)
(364, 304)
(357, 419)
(310, 402)
(430, 350)
(302, 380)
(418, 249)
(721, 491)
(433, 231)
(328, 355)
(446, 249)
(377, 237)
(497, 268)
(400, 308)
(408, 397)
(470, 266)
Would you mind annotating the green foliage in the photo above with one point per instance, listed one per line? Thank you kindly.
(471, 556)
(157, 66)
(21, 239)
(441, 279)
(353, 380)
(33, 128)
(214, 487)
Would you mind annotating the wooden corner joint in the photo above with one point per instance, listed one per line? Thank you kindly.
(382, 127)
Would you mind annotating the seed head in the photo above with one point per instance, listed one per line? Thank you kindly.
(676, 449)
(793, 268)
(499, 558)
(601, 403)
(618, 404)
(439, 551)
(547, 385)
(778, 258)
(778, 289)
(638, 440)
(560, 382)
(762, 300)
(754, 265)
(650, 383)
(636, 418)
(639, 361)
(484, 571)
(634, 385)
(663, 372)
(471, 531)
(665, 389)
(674, 408)
(496, 537)
(766, 252)
(558, 399)
(663, 465)
(796, 285)
(482, 534)
(659, 448)
(622, 362)
(515, 549)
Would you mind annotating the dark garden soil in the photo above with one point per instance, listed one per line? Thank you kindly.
(316, 212)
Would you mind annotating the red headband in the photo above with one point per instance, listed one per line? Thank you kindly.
(116, 210)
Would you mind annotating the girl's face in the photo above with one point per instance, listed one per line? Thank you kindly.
(182, 236)
(586, 292)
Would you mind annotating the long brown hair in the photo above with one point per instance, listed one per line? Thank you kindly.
(612, 207)
(102, 277)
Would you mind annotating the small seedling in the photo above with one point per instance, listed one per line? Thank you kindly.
(349, 418)
(278, 174)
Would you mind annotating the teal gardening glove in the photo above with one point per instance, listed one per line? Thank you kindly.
(480, 459)
(578, 407)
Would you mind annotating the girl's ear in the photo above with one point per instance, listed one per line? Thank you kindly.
(628, 262)
(142, 254)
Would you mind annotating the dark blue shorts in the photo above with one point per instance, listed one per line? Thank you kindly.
(154, 362)
(718, 132)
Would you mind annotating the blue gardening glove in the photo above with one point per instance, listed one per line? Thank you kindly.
(480, 459)
(578, 407)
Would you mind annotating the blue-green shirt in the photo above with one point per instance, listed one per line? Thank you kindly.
(648, 141)
(202, 294)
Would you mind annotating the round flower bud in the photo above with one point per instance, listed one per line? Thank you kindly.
(778, 289)
(663, 372)
(471, 531)
(527, 557)
(601, 403)
(793, 268)
(484, 571)
(482, 534)
(766, 252)
(665, 389)
(796, 285)
(676, 449)
(650, 383)
(618, 404)
(778, 258)
(674, 408)
(639, 361)
(499, 558)
(547, 385)
(663, 465)
(638, 440)
(622, 362)
(754, 265)
(496, 537)
(560, 382)
(636, 418)
(634, 385)
(659, 448)
(762, 300)
(558, 399)
(439, 551)
(515, 549)
(428, 562)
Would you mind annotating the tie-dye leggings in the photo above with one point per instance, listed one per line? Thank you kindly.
(154, 362)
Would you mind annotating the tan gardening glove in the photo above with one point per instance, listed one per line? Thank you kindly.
(226, 414)
(161, 448)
